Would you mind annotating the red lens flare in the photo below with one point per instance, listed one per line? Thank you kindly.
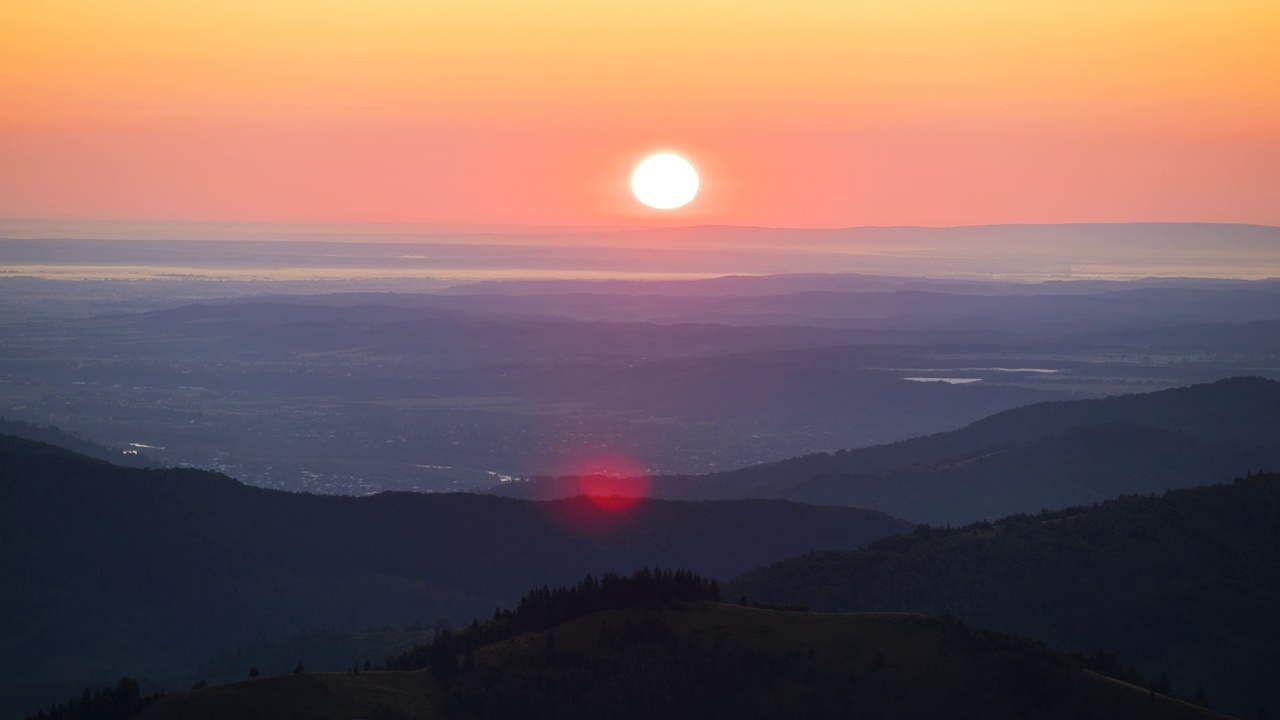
(603, 491)
(614, 485)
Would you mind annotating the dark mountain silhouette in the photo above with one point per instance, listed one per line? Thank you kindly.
(1047, 455)
(106, 570)
(75, 443)
(1184, 583)
(663, 656)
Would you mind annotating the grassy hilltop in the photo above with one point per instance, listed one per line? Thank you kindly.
(708, 659)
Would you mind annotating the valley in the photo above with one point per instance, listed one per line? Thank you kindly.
(357, 393)
(347, 476)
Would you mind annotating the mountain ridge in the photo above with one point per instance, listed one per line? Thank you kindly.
(1182, 582)
(1069, 453)
(186, 562)
(707, 659)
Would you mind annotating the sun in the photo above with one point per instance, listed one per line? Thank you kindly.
(664, 181)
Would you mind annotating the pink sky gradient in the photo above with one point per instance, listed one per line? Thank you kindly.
(801, 114)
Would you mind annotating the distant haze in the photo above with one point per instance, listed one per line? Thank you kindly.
(107, 250)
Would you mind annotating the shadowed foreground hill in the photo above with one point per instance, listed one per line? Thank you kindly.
(707, 659)
(75, 443)
(1187, 583)
(107, 570)
(1047, 455)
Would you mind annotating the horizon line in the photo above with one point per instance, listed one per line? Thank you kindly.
(47, 228)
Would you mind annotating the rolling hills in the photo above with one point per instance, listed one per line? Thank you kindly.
(1047, 455)
(106, 570)
(707, 659)
(1184, 582)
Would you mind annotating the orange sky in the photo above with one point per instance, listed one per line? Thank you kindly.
(796, 112)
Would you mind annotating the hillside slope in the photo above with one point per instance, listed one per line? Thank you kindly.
(107, 570)
(1185, 583)
(129, 457)
(1047, 455)
(705, 659)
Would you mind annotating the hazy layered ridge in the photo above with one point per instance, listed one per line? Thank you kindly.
(1048, 455)
(291, 252)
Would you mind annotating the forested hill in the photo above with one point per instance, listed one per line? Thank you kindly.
(1185, 583)
(1047, 455)
(629, 650)
(75, 443)
(1243, 411)
(151, 571)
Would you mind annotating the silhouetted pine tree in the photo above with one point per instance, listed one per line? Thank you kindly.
(123, 700)
(1201, 697)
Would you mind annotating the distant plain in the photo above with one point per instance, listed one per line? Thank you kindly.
(452, 360)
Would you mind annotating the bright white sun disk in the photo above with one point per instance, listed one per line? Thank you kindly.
(664, 181)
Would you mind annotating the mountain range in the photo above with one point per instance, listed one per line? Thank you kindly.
(186, 564)
(1182, 582)
(1046, 455)
(706, 659)
(107, 570)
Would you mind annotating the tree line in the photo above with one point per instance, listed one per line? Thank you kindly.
(546, 607)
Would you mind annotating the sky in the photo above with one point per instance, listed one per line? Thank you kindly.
(796, 113)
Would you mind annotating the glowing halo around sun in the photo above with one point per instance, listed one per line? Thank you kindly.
(664, 181)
